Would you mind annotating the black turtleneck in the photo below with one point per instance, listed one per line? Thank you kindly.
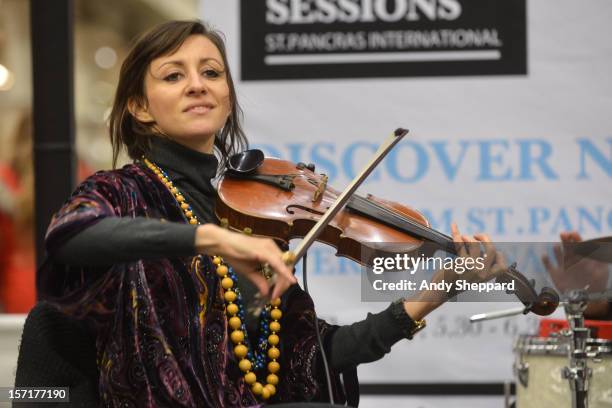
(115, 240)
(190, 171)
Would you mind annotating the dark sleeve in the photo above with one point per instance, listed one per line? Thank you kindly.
(114, 240)
(114, 195)
(370, 339)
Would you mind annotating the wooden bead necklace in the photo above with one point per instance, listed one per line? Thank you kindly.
(235, 310)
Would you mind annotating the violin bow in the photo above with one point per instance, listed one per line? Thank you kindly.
(543, 304)
(292, 257)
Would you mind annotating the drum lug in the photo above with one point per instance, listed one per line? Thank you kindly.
(595, 356)
(567, 374)
(521, 371)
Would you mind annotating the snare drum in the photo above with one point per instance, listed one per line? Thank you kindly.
(537, 369)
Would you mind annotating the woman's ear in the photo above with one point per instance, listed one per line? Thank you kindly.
(139, 111)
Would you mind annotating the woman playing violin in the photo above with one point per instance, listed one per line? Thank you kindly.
(136, 253)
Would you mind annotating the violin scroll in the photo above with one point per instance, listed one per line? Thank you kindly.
(541, 304)
(546, 302)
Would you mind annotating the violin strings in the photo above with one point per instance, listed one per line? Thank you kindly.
(413, 226)
(401, 218)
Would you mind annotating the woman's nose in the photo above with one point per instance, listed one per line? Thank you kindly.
(197, 84)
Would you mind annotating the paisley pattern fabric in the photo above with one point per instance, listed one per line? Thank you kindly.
(160, 325)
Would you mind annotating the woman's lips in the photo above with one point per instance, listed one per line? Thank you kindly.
(200, 109)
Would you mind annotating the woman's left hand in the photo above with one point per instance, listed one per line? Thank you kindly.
(476, 247)
(468, 247)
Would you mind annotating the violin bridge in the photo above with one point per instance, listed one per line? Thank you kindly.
(320, 188)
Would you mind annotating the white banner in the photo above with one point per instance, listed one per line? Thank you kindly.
(521, 157)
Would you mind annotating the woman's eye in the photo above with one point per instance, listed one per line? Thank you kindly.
(175, 76)
(211, 73)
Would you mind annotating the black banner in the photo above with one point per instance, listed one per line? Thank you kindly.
(306, 39)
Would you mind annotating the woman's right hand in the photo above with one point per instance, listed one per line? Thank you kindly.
(246, 255)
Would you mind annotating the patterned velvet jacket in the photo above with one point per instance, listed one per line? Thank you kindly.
(153, 350)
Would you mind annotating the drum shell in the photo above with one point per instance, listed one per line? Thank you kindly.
(539, 362)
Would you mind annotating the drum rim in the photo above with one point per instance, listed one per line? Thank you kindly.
(557, 345)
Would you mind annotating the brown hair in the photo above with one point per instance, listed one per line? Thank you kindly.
(128, 132)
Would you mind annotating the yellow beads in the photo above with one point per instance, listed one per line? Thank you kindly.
(227, 283)
(257, 388)
(273, 353)
(245, 365)
(273, 367)
(275, 326)
(250, 378)
(240, 351)
(222, 271)
(271, 389)
(237, 336)
(235, 322)
(272, 379)
(232, 309)
(230, 296)
(276, 314)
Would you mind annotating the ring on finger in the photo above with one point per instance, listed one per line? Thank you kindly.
(267, 271)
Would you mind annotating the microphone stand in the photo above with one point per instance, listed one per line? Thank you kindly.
(577, 372)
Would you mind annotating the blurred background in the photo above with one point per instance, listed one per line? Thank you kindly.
(102, 35)
(522, 150)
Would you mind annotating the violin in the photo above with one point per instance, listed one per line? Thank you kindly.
(282, 200)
